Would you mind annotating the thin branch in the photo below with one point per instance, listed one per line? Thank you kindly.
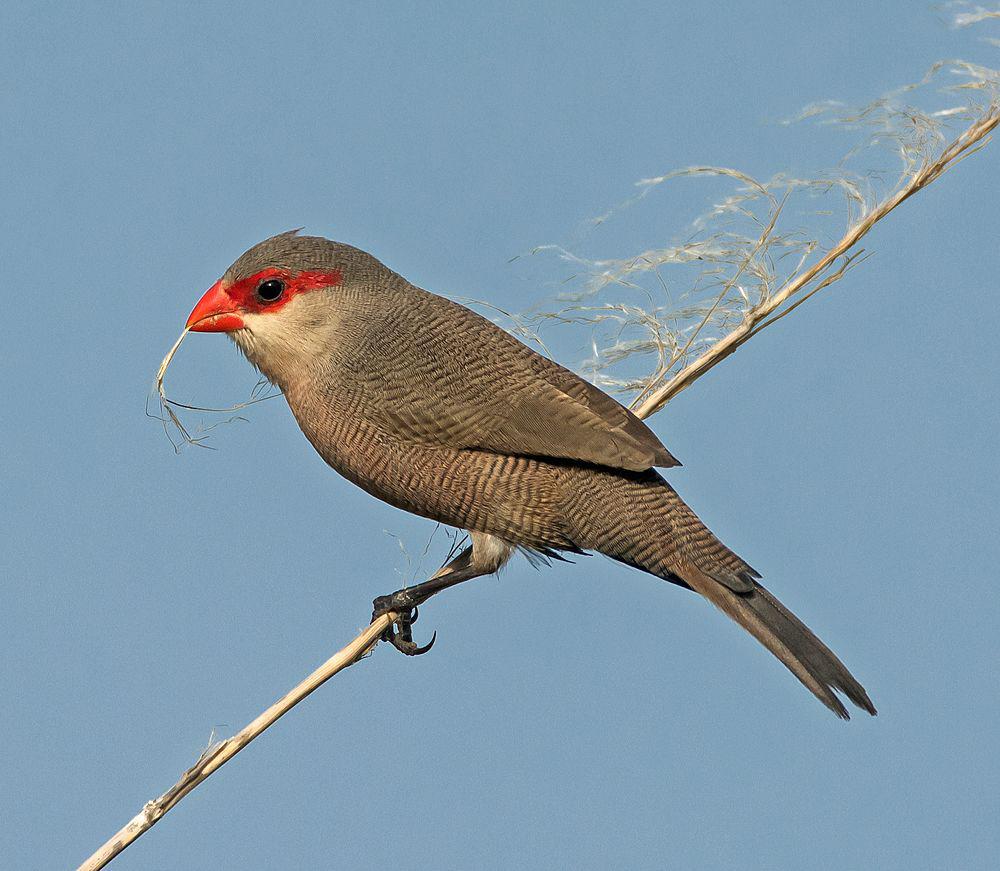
(219, 754)
(974, 137)
(850, 261)
(762, 242)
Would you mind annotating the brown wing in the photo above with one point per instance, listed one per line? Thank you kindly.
(468, 384)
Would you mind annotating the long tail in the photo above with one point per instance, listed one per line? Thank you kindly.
(788, 638)
(640, 520)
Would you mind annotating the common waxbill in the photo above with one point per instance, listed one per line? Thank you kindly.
(432, 408)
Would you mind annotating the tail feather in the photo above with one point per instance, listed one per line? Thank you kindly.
(640, 520)
(788, 638)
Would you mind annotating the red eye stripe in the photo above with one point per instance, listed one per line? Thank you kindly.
(244, 291)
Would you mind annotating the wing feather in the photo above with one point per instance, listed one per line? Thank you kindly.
(469, 384)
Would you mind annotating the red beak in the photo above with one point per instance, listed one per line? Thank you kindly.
(216, 312)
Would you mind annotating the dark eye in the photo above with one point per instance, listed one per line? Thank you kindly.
(270, 290)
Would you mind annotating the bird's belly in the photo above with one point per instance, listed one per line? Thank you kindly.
(513, 498)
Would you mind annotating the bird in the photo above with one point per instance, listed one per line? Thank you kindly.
(434, 409)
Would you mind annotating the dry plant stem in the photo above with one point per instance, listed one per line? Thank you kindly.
(768, 312)
(651, 388)
(219, 754)
(973, 138)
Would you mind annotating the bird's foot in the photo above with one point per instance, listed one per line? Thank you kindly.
(399, 634)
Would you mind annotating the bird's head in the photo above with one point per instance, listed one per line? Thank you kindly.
(285, 299)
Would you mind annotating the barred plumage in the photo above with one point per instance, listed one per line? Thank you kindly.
(433, 409)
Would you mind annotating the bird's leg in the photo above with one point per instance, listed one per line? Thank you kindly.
(404, 602)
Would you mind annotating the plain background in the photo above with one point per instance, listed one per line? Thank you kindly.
(582, 716)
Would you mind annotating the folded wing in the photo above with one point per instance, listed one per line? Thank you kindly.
(478, 387)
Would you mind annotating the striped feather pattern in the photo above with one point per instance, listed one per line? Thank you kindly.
(433, 409)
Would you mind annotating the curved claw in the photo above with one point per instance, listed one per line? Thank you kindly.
(398, 634)
(409, 647)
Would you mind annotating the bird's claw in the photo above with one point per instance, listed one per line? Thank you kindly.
(407, 645)
(398, 634)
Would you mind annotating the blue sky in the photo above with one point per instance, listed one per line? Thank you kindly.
(581, 716)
